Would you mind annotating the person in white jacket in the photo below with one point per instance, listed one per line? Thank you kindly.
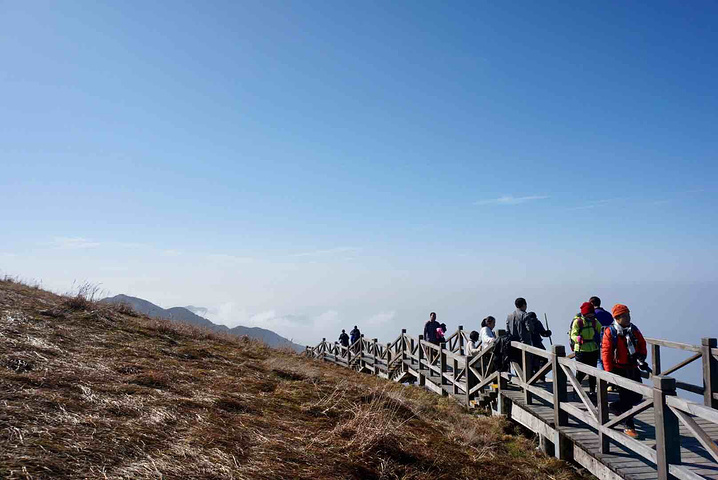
(479, 341)
(474, 345)
(487, 335)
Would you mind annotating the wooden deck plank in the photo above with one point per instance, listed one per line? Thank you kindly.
(621, 460)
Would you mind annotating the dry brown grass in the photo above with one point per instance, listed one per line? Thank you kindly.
(92, 391)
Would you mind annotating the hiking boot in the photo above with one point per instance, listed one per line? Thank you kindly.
(631, 432)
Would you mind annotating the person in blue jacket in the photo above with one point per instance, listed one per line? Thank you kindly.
(604, 318)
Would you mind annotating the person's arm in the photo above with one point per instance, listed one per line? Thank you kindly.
(607, 350)
(575, 332)
(539, 328)
(486, 336)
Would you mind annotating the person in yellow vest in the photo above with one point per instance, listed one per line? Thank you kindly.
(585, 330)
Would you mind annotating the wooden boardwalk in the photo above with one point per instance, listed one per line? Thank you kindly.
(677, 437)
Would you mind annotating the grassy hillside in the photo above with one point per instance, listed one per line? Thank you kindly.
(96, 391)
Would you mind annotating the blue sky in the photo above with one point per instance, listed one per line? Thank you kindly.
(324, 163)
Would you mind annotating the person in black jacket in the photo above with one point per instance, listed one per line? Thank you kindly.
(355, 335)
(344, 339)
(430, 333)
(537, 331)
(516, 323)
(430, 329)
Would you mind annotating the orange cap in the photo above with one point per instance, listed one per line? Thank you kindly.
(619, 309)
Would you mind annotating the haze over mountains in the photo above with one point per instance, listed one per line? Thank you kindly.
(190, 315)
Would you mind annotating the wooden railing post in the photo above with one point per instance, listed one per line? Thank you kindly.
(324, 349)
(526, 361)
(602, 401)
(403, 344)
(501, 402)
(710, 372)
(656, 358)
(362, 362)
(420, 351)
(563, 448)
(388, 358)
(668, 437)
(461, 340)
(442, 367)
(471, 381)
(455, 368)
(375, 356)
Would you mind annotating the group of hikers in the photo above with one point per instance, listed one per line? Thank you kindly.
(608, 341)
(598, 338)
(346, 340)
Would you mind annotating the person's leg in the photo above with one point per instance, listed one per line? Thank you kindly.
(580, 356)
(632, 398)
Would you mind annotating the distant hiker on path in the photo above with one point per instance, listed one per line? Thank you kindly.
(623, 351)
(355, 335)
(584, 340)
(486, 335)
(344, 339)
(516, 323)
(605, 318)
(430, 329)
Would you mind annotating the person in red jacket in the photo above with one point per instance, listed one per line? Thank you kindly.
(623, 351)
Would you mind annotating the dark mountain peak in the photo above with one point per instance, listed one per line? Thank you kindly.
(187, 315)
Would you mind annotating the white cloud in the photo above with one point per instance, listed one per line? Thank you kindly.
(223, 258)
(73, 243)
(597, 203)
(307, 329)
(327, 252)
(171, 253)
(381, 318)
(510, 200)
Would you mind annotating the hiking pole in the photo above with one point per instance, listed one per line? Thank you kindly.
(546, 320)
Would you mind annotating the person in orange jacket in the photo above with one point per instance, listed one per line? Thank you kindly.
(623, 352)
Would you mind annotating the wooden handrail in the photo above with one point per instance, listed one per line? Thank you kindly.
(445, 370)
(670, 344)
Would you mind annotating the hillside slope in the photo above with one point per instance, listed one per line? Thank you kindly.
(92, 390)
(187, 315)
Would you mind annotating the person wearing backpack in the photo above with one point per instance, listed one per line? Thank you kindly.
(584, 341)
(537, 331)
(355, 335)
(344, 339)
(605, 318)
(516, 323)
(623, 352)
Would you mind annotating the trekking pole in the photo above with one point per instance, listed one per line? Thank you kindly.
(546, 320)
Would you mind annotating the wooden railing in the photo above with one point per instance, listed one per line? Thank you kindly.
(446, 370)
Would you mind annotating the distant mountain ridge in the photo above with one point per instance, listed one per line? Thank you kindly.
(188, 315)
